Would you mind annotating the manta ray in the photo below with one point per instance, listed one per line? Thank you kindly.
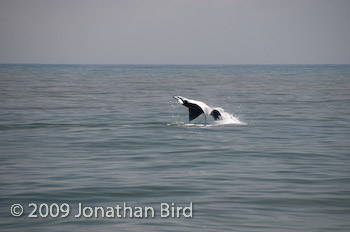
(196, 108)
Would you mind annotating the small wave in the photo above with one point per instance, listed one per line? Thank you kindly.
(182, 124)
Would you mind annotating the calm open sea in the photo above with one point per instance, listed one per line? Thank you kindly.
(102, 135)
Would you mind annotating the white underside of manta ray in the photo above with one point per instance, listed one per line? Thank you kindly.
(197, 108)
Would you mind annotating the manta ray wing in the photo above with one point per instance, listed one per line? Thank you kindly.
(194, 111)
(197, 108)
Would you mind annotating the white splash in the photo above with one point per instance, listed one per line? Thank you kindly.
(227, 118)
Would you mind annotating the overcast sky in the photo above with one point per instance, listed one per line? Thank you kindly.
(175, 31)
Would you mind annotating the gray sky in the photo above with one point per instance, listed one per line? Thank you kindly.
(175, 31)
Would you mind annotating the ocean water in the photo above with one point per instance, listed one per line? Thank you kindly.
(105, 135)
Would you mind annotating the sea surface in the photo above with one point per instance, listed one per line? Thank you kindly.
(105, 135)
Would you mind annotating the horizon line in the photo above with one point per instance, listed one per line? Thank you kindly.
(174, 64)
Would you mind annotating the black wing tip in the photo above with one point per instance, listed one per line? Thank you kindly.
(216, 115)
